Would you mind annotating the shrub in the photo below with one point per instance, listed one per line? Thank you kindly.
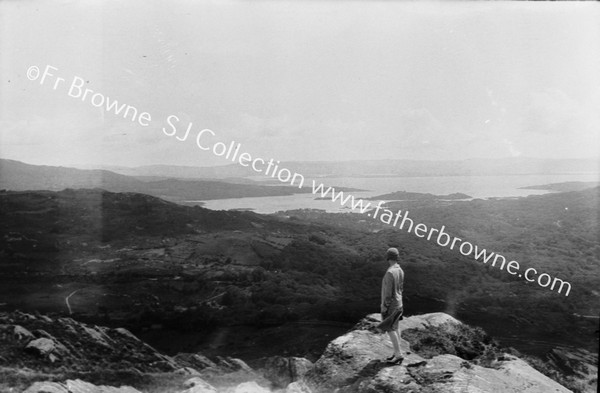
(469, 343)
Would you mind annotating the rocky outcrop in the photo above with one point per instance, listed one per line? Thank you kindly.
(76, 386)
(192, 385)
(449, 373)
(22, 334)
(41, 346)
(250, 387)
(198, 385)
(52, 346)
(229, 373)
(194, 360)
(352, 363)
(355, 362)
(297, 387)
(357, 355)
(186, 371)
(39, 342)
(282, 371)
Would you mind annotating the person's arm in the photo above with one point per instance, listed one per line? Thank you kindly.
(386, 291)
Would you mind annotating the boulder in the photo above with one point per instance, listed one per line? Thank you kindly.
(45, 345)
(420, 322)
(126, 333)
(358, 354)
(449, 373)
(76, 386)
(194, 360)
(250, 387)
(297, 387)
(97, 335)
(65, 321)
(21, 333)
(198, 385)
(79, 386)
(46, 318)
(24, 315)
(282, 371)
(233, 364)
(230, 372)
(47, 387)
(41, 346)
(186, 371)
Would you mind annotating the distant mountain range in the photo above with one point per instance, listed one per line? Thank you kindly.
(196, 184)
(376, 168)
(18, 176)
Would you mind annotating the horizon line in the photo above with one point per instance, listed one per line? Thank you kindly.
(103, 166)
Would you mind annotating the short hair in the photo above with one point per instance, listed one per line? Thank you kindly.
(392, 253)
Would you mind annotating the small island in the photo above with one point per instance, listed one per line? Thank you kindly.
(565, 186)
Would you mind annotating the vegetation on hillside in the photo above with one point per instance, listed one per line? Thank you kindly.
(135, 260)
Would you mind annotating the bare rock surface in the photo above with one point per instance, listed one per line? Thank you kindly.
(228, 373)
(186, 371)
(282, 371)
(77, 386)
(21, 333)
(52, 344)
(297, 387)
(355, 363)
(250, 387)
(198, 385)
(352, 363)
(194, 360)
(41, 346)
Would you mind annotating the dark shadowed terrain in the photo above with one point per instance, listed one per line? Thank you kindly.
(236, 283)
(154, 266)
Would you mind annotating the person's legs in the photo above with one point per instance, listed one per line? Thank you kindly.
(395, 342)
(398, 337)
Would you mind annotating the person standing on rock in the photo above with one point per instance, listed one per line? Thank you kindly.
(391, 302)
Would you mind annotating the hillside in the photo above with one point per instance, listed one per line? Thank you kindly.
(564, 187)
(49, 354)
(140, 259)
(18, 176)
(167, 271)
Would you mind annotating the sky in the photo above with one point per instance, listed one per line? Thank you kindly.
(299, 80)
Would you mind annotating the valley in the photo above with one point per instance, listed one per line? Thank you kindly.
(236, 283)
(137, 261)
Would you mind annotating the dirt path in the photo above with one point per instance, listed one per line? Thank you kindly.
(67, 301)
